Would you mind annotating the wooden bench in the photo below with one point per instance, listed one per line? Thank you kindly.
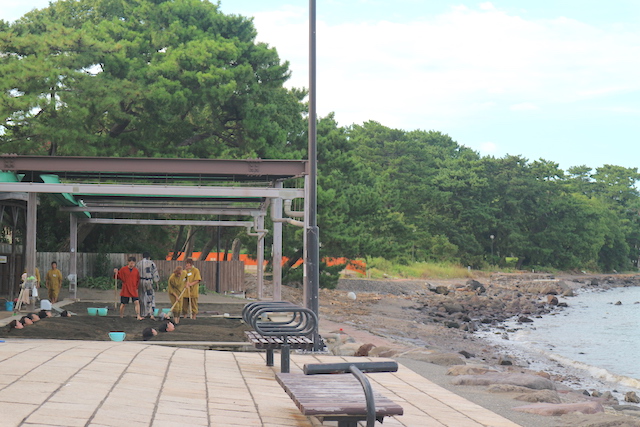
(282, 326)
(341, 396)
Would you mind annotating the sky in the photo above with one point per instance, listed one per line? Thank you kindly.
(551, 79)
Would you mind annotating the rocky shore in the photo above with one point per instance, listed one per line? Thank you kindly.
(438, 322)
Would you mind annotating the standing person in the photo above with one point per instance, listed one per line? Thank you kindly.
(37, 276)
(130, 277)
(53, 282)
(148, 276)
(174, 289)
(192, 282)
(32, 286)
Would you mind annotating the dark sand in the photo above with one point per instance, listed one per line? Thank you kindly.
(208, 326)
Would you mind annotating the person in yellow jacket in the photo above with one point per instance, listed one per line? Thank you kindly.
(53, 282)
(174, 289)
(192, 282)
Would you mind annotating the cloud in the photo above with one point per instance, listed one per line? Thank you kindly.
(428, 72)
(524, 106)
(488, 148)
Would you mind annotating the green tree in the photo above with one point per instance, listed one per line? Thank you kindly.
(144, 78)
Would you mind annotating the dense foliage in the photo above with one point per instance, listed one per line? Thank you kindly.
(180, 79)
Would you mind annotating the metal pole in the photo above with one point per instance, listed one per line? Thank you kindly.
(312, 263)
(218, 259)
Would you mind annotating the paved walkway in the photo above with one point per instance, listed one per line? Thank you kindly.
(96, 383)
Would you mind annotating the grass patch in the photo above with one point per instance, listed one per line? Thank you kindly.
(380, 268)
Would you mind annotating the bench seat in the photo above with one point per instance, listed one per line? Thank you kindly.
(333, 397)
(261, 342)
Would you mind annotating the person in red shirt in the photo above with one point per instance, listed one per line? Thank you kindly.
(130, 278)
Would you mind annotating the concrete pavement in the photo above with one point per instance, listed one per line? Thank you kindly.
(104, 383)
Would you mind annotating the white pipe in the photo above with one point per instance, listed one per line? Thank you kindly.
(289, 221)
(288, 211)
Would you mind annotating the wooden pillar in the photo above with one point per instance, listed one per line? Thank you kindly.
(73, 259)
(32, 209)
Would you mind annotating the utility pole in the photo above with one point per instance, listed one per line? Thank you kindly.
(312, 263)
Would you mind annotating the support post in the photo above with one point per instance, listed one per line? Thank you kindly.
(260, 266)
(73, 260)
(312, 261)
(32, 207)
(277, 246)
(218, 259)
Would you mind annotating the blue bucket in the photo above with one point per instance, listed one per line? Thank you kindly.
(9, 306)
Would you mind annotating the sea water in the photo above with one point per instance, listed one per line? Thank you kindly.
(594, 343)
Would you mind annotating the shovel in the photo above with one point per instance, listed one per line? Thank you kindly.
(174, 304)
(115, 287)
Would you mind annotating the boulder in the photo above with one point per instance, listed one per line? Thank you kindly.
(505, 360)
(631, 397)
(469, 370)
(561, 408)
(346, 349)
(476, 286)
(552, 300)
(382, 351)
(524, 380)
(364, 350)
(445, 359)
(508, 388)
(442, 290)
(546, 396)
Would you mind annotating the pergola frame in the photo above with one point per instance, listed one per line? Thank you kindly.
(173, 186)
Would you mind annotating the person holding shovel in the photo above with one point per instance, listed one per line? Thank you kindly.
(192, 283)
(130, 278)
(176, 290)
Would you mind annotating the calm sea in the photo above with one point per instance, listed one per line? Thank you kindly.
(594, 342)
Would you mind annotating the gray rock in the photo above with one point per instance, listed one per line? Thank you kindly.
(505, 360)
(546, 396)
(509, 388)
(631, 397)
(469, 370)
(524, 380)
(561, 408)
(445, 359)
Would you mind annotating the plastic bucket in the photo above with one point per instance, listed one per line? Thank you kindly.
(9, 306)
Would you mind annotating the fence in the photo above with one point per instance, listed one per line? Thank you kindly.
(231, 273)
(88, 264)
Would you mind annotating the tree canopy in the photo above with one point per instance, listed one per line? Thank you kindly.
(177, 78)
(143, 78)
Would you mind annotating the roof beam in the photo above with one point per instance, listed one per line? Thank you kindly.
(163, 210)
(213, 167)
(152, 190)
(247, 224)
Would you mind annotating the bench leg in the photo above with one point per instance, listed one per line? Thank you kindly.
(347, 424)
(285, 352)
(269, 357)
